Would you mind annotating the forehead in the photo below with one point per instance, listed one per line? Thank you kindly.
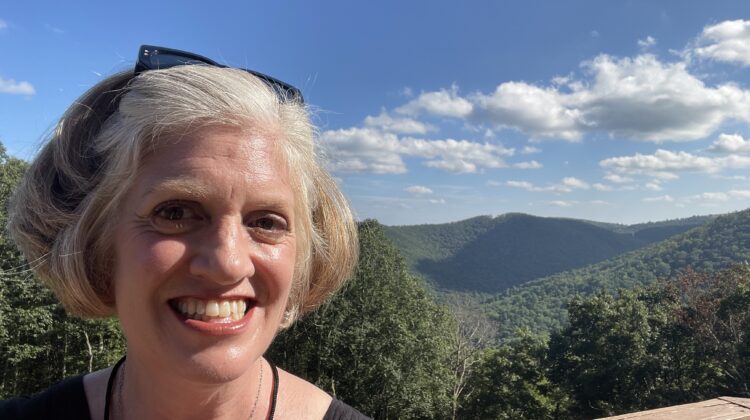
(218, 142)
(214, 155)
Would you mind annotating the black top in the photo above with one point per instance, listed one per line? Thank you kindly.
(67, 400)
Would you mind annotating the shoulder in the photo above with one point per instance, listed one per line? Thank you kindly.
(64, 400)
(340, 411)
(299, 398)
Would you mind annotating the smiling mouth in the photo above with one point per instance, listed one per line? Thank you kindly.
(211, 310)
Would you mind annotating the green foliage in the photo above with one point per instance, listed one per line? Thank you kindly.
(674, 342)
(540, 304)
(39, 343)
(613, 355)
(436, 242)
(667, 344)
(512, 382)
(381, 344)
(493, 254)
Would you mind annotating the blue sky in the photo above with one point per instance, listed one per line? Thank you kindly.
(435, 111)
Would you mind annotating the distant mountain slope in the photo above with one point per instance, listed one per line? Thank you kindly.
(435, 242)
(685, 223)
(488, 254)
(539, 305)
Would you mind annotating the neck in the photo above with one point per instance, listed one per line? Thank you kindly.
(142, 392)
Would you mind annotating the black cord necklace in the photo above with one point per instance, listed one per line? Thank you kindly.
(113, 374)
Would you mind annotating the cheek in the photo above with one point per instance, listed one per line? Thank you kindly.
(146, 261)
(279, 261)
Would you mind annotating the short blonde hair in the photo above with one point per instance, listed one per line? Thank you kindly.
(62, 214)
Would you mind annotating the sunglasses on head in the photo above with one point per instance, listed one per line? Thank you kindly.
(154, 58)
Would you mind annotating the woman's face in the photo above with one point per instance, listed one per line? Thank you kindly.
(205, 231)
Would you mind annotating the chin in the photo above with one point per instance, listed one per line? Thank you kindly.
(220, 365)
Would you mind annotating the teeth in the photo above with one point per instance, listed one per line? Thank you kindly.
(225, 309)
(190, 306)
(212, 309)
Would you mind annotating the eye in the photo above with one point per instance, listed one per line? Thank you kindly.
(269, 225)
(176, 217)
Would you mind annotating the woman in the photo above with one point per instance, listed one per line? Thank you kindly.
(186, 199)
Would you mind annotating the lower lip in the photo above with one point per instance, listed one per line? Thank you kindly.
(216, 328)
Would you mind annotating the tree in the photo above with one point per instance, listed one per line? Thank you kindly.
(382, 344)
(39, 343)
(612, 357)
(512, 382)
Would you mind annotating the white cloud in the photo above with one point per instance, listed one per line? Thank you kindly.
(363, 150)
(562, 203)
(437, 200)
(730, 143)
(618, 179)
(665, 198)
(371, 150)
(521, 184)
(731, 177)
(601, 187)
(707, 198)
(445, 103)
(664, 176)
(575, 183)
(528, 150)
(567, 185)
(739, 193)
(640, 98)
(403, 125)
(727, 41)
(16, 88)
(532, 164)
(715, 196)
(458, 156)
(648, 42)
(653, 186)
(665, 161)
(540, 112)
(643, 98)
(3, 24)
(418, 190)
(599, 202)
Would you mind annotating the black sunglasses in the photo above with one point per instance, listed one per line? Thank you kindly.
(154, 58)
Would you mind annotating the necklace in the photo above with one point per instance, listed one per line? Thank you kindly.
(257, 395)
(121, 381)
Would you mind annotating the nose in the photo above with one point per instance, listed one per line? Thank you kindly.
(224, 254)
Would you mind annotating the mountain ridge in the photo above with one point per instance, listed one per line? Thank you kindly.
(491, 254)
(539, 305)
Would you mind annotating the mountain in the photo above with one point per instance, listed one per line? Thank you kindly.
(540, 304)
(492, 254)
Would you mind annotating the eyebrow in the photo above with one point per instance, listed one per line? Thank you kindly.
(193, 188)
(183, 186)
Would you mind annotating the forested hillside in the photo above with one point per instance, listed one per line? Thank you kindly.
(673, 342)
(490, 255)
(539, 305)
